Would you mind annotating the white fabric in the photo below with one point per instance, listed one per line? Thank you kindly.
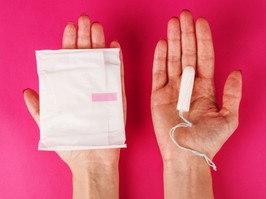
(70, 118)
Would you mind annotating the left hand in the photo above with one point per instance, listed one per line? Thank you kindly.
(87, 36)
(191, 45)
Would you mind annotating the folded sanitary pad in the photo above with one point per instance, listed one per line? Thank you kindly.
(80, 99)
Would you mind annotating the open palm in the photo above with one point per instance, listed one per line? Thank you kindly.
(191, 45)
(87, 36)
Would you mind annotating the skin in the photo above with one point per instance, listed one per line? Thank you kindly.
(95, 172)
(190, 44)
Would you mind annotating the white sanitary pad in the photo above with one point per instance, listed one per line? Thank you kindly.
(80, 99)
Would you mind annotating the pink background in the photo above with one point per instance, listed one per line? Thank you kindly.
(239, 33)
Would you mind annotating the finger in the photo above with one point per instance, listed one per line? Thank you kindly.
(188, 39)
(174, 49)
(32, 101)
(115, 44)
(231, 97)
(69, 36)
(84, 35)
(159, 74)
(97, 36)
(205, 52)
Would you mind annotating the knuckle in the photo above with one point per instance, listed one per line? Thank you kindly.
(159, 74)
(173, 58)
(189, 52)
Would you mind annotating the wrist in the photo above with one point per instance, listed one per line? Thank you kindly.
(187, 177)
(95, 180)
(186, 163)
(93, 167)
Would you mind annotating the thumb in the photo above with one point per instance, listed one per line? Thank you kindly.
(32, 101)
(115, 44)
(231, 99)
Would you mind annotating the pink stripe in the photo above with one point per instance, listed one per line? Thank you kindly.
(101, 97)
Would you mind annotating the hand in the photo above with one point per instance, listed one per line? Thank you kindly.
(187, 45)
(87, 36)
(185, 174)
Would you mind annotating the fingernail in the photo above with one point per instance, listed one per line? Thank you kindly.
(96, 22)
(84, 14)
(24, 90)
(240, 71)
(185, 10)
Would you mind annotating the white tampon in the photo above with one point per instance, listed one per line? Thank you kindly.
(186, 88)
(183, 105)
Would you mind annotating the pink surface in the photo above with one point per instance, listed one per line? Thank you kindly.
(101, 97)
(239, 33)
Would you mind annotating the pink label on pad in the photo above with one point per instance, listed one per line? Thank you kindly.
(102, 97)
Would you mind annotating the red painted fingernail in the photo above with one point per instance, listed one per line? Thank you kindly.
(185, 10)
(84, 14)
(24, 90)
